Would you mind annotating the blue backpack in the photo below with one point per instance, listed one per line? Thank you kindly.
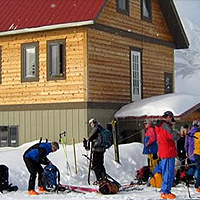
(106, 138)
(51, 178)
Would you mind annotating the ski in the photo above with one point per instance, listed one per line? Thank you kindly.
(84, 189)
(90, 164)
(80, 189)
(130, 187)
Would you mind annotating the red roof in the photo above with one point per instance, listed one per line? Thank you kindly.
(21, 14)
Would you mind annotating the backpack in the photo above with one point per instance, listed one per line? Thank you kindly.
(108, 187)
(142, 175)
(106, 138)
(51, 178)
(4, 185)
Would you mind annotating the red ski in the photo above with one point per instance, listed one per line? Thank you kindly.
(80, 189)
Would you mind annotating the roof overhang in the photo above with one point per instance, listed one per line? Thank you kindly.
(174, 23)
(47, 28)
(154, 107)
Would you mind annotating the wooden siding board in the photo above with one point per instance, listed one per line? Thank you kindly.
(157, 28)
(66, 90)
(112, 82)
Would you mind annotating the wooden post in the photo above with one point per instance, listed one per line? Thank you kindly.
(75, 164)
(115, 140)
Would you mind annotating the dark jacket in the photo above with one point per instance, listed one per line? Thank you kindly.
(38, 152)
(95, 138)
(181, 148)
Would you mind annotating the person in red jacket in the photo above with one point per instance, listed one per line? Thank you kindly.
(167, 152)
(150, 145)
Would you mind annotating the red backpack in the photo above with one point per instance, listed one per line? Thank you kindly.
(142, 175)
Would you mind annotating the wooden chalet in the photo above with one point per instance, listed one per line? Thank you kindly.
(65, 61)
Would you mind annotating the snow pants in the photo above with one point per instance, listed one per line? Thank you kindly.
(168, 167)
(98, 165)
(34, 168)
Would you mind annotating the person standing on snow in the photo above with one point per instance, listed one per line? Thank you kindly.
(33, 158)
(97, 150)
(189, 142)
(167, 152)
(197, 158)
(150, 145)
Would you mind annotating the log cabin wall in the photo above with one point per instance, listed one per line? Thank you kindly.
(109, 53)
(109, 67)
(72, 89)
(156, 28)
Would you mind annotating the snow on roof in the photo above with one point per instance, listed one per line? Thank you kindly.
(180, 104)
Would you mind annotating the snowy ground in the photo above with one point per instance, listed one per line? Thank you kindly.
(131, 159)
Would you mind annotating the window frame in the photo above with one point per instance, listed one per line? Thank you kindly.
(137, 52)
(56, 77)
(23, 60)
(170, 76)
(123, 11)
(149, 6)
(9, 143)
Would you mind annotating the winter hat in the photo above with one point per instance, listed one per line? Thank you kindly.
(186, 126)
(55, 144)
(148, 121)
(195, 123)
(169, 113)
(92, 120)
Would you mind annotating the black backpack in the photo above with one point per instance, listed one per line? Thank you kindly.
(4, 184)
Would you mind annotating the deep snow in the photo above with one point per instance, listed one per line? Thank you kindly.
(131, 159)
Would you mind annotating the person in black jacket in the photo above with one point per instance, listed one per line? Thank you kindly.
(97, 150)
(181, 152)
(33, 158)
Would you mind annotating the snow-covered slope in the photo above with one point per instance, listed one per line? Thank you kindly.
(187, 62)
(131, 159)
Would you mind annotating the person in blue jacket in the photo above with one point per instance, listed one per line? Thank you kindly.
(33, 158)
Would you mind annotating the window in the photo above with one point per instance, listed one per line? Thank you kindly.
(30, 62)
(146, 10)
(56, 60)
(168, 83)
(8, 136)
(136, 75)
(123, 6)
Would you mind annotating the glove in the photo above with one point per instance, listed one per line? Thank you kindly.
(86, 144)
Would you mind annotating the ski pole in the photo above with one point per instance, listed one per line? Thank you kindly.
(63, 141)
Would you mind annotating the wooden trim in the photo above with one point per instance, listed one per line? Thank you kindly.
(125, 12)
(0, 64)
(176, 28)
(62, 76)
(86, 79)
(133, 35)
(104, 5)
(23, 78)
(61, 106)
